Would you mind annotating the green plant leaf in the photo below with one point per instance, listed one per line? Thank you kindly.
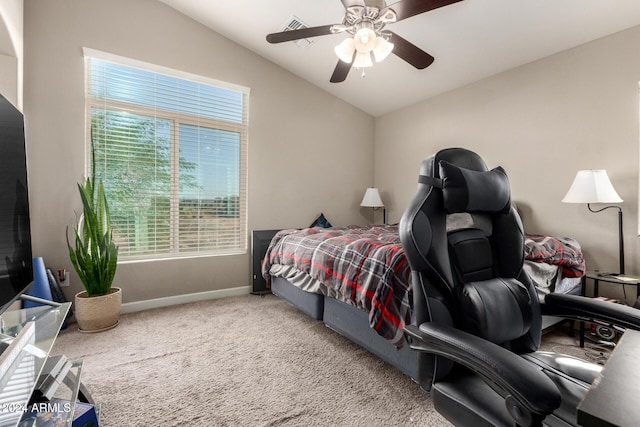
(95, 255)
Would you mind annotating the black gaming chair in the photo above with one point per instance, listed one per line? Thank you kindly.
(478, 319)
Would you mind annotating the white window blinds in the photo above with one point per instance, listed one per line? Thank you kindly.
(171, 150)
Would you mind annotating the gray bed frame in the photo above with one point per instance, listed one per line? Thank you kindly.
(349, 321)
(353, 323)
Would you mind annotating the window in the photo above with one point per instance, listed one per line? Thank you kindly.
(171, 151)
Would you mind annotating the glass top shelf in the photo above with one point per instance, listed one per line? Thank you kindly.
(26, 339)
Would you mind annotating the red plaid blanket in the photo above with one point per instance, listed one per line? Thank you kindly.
(364, 266)
(562, 251)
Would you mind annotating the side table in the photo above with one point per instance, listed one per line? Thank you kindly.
(260, 240)
(621, 279)
(597, 277)
(28, 374)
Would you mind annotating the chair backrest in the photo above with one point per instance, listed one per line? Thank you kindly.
(465, 244)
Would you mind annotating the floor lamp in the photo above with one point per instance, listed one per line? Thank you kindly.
(373, 200)
(594, 186)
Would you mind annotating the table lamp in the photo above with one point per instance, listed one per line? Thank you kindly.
(594, 186)
(373, 200)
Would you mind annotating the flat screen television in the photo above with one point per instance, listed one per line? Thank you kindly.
(16, 265)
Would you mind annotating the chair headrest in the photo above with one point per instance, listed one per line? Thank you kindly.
(466, 190)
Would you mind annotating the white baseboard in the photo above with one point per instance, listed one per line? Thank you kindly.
(131, 307)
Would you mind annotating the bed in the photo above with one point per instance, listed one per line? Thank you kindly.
(356, 280)
(555, 264)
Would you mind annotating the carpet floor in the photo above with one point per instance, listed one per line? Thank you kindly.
(244, 361)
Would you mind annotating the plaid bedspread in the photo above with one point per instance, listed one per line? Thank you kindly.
(363, 266)
(562, 251)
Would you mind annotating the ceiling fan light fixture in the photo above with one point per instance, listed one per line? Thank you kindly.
(364, 40)
(345, 50)
(382, 49)
(363, 60)
(365, 21)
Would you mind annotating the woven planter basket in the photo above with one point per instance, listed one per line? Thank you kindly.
(98, 313)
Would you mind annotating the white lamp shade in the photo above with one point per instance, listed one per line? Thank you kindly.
(363, 60)
(382, 49)
(345, 50)
(592, 186)
(372, 199)
(364, 40)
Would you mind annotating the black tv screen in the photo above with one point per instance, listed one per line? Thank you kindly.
(16, 268)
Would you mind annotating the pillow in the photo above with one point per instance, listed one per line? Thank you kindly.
(466, 190)
(321, 221)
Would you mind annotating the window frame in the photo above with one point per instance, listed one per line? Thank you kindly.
(176, 119)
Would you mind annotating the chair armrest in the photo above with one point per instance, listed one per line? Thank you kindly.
(528, 392)
(584, 308)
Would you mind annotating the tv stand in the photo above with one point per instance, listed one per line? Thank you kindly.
(28, 374)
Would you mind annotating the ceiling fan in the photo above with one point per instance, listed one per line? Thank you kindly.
(365, 20)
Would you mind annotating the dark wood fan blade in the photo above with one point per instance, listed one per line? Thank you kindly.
(410, 52)
(407, 8)
(349, 3)
(340, 73)
(303, 33)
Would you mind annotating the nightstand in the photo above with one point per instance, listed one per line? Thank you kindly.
(597, 277)
(622, 279)
(260, 240)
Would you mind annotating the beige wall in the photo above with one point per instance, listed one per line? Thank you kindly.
(542, 122)
(297, 133)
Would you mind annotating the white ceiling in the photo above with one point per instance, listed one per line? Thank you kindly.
(470, 40)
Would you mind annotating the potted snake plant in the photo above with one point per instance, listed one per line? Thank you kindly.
(95, 258)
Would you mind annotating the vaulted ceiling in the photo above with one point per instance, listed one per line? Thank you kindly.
(470, 40)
